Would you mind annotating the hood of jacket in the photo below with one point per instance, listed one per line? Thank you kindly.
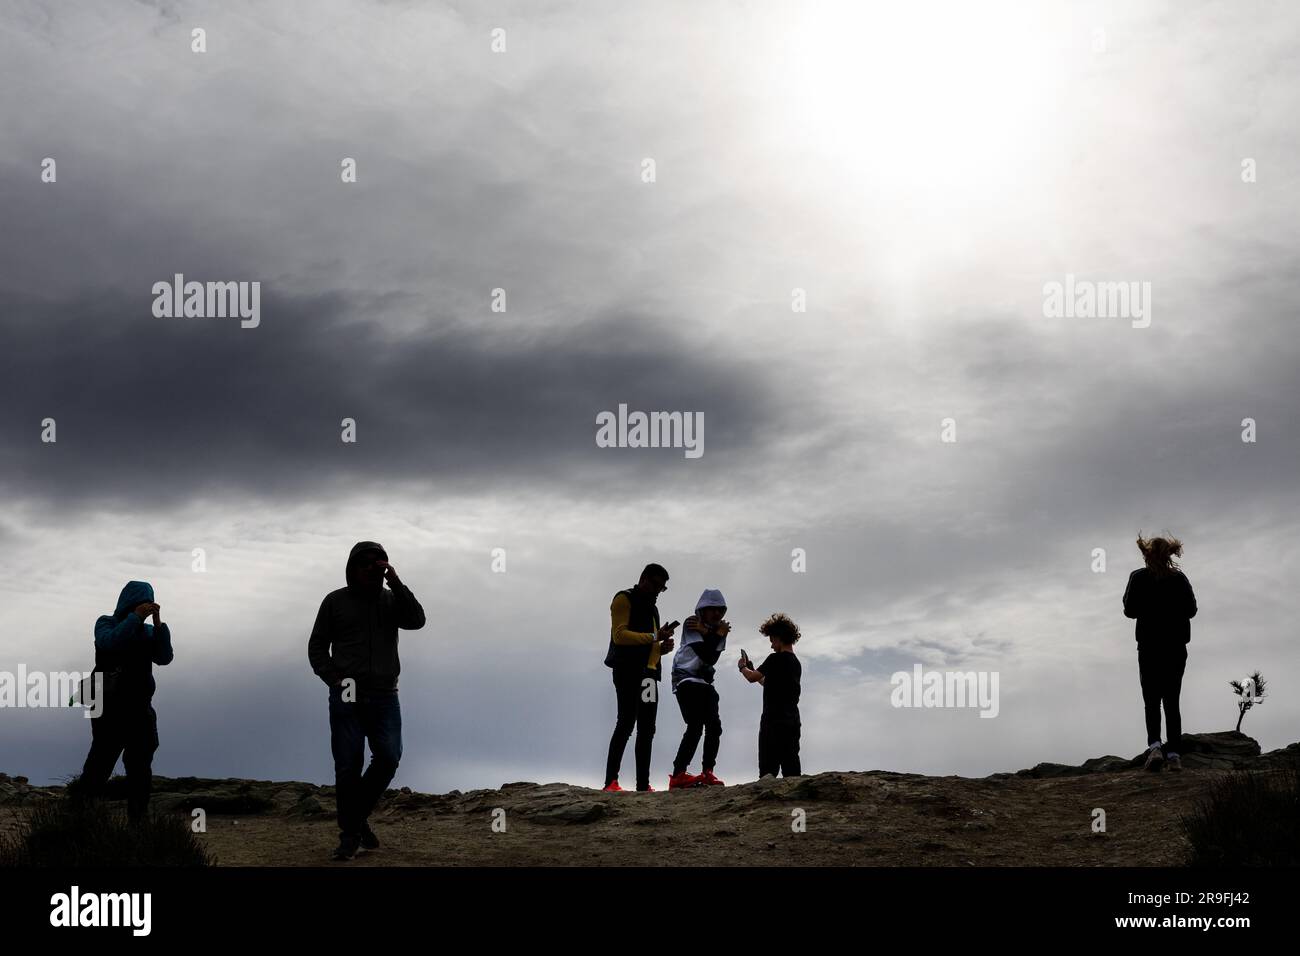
(711, 598)
(133, 595)
(358, 549)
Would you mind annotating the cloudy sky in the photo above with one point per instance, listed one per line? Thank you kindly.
(919, 172)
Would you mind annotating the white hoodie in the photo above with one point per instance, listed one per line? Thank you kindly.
(687, 664)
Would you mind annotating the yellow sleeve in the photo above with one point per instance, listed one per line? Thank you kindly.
(619, 612)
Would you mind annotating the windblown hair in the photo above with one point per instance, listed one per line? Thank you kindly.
(1159, 553)
(781, 627)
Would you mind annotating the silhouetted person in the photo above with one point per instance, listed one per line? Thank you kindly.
(1160, 597)
(126, 648)
(353, 649)
(704, 637)
(636, 643)
(779, 727)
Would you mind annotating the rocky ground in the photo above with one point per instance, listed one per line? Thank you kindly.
(1040, 816)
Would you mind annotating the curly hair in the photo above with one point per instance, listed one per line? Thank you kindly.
(1159, 553)
(781, 627)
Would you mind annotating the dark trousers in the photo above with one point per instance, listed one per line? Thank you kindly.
(1160, 671)
(633, 711)
(375, 716)
(699, 706)
(778, 749)
(127, 729)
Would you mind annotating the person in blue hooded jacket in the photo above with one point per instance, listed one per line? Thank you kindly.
(126, 648)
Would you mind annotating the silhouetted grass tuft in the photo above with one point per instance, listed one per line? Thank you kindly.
(1248, 818)
(77, 832)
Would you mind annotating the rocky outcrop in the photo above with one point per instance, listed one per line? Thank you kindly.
(560, 804)
(1042, 816)
(16, 791)
(1223, 750)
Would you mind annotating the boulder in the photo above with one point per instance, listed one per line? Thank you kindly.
(1225, 750)
(308, 806)
(578, 811)
(830, 787)
(1222, 750)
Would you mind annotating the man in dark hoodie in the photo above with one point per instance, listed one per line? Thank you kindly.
(353, 649)
(126, 648)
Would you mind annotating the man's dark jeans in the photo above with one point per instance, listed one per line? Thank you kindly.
(375, 716)
(633, 711)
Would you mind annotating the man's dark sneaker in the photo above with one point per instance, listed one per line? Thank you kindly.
(348, 845)
(368, 839)
(1155, 759)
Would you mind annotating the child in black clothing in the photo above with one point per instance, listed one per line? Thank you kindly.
(778, 729)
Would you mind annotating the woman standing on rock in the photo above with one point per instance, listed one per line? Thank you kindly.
(1161, 599)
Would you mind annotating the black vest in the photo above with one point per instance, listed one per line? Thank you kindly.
(643, 618)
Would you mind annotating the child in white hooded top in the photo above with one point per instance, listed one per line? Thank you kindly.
(704, 636)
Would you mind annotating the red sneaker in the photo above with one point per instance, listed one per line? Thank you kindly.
(680, 781)
(709, 780)
(612, 787)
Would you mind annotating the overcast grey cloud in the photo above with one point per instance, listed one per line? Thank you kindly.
(919, 173)
(202, 399)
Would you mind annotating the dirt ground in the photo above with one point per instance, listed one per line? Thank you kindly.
(875, 819)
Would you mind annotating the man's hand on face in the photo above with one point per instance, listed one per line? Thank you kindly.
(157, 612)
(723, 629)
(389, 572)
(144, 610)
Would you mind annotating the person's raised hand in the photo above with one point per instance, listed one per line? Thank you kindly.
(692, 623)
(723, 629)
(665, 645)
(390, 573)
(665, 633)
(144, 610)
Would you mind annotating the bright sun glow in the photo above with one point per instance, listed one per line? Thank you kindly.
(942, 98)
(913, 133)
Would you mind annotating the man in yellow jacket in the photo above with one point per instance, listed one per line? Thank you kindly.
(636, 645)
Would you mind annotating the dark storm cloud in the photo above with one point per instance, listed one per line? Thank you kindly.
(151, 409)
(371, 292)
